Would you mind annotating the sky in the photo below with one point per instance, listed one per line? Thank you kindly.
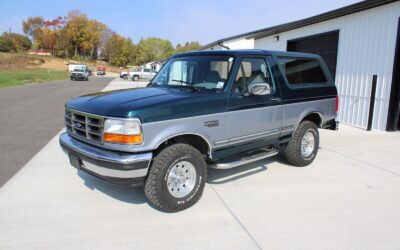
(176, 20)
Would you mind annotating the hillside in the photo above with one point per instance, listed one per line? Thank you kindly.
(23, 61)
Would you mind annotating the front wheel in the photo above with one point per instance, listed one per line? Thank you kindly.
(303, 147)
(135, 78)
(176, 179)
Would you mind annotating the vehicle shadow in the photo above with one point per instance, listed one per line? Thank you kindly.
(133, 195)
(221, 176)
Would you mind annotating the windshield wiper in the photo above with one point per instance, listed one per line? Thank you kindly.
(180, 81)
(187, 85)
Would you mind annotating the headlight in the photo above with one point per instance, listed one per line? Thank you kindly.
(122, 131)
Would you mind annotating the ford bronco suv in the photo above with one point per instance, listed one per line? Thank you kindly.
(218, 109)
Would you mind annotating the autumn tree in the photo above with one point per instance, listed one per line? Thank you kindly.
(50, 34)
(112, 46)
(75, 29)
(92, 37)
(32, 26)
(13, 42)
(78, 36)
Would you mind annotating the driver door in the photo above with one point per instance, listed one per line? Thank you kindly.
(254, 119)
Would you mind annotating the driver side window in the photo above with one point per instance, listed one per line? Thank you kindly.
(251, 71)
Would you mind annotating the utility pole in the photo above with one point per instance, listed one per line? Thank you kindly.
(10, 30)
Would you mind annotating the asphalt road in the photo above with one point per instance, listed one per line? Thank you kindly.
(30, 115)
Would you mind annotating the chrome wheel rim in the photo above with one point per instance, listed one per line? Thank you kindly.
(307, 144)
(181, 179)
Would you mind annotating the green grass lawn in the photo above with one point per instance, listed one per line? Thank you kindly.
(14, 78)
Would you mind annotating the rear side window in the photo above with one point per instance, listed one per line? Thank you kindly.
(302, 70)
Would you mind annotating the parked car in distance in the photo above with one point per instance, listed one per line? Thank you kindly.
(218, 109)
(101, 70)
(141, 74)
(80, 74)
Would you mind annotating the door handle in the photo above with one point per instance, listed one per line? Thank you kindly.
(276, 99)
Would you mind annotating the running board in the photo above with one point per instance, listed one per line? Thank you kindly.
(226, 164)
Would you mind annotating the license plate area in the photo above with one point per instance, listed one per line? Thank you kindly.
(75, 161)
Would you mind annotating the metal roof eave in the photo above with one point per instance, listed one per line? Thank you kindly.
(344, 11)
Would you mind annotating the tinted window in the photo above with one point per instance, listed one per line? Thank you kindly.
(302, 71)
(146, 70)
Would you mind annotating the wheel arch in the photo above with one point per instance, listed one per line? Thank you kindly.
(196, 140)
(314, 116)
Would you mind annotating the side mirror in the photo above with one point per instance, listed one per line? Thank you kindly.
(260, 88)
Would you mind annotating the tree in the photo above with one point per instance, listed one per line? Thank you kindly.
(92, 37)
(112, 46)
(32, 26)
(125, 55)
(152, 49)
(50, 34)
(189, 46)
(20, 42)
(13, 42)
(5, 43)
(78, 36)
(75, 28)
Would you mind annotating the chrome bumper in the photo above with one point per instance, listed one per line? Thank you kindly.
(105, 163)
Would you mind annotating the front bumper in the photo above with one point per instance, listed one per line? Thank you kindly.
(116, 167)
(78, 77)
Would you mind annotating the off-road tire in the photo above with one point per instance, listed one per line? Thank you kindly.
(292, 152)
(135, 78)
(156, 187)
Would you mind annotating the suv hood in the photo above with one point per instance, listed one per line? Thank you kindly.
(141, 102)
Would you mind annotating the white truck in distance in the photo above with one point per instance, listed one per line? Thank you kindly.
(141, 74)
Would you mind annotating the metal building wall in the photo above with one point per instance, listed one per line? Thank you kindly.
(237, 43)
(366, 47)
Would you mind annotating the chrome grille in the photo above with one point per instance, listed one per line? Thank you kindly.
(84, 126)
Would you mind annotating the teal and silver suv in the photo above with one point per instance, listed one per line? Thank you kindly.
(218, 109)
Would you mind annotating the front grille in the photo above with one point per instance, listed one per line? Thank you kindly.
(84, 126)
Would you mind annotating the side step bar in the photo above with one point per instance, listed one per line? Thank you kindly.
(226, 164)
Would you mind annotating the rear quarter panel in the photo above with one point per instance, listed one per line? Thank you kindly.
(302, 100)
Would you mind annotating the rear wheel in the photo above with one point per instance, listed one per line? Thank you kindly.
(176, 179)
(303, 147)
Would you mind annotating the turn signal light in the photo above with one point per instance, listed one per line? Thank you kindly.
(123, 139)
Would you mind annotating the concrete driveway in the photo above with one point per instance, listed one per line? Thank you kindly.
(349, 198)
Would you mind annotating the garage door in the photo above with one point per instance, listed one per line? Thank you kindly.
(325, 45)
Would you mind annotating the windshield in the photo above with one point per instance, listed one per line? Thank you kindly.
(79, 70)
(200, 72)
